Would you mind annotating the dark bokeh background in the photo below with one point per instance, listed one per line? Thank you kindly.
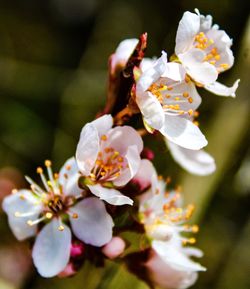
(53, 73)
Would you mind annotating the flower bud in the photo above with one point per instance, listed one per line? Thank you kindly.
(114, 248)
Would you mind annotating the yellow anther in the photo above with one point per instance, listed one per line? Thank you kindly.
(61, 228)
(224, 65)
(192, 241)
(30, 223)
(217, 57)
(196, 123)
(93, 176)
(190, 112)
(185, 94)
(167, 95)
(75, 216)
(169, 88)
(190, 100)
(163, 87)
(196, 113)
(39, 170)
(103, 137)
(212, 62)
(22, 197)
(48, 215)
(48, 163)
(14, 191)
(68, 167)
(177, 98)
(195, 229)
(214, 51)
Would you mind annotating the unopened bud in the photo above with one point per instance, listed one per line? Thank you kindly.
(114, 248)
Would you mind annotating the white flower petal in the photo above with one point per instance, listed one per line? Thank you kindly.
(151, 109)
(152, 74)
(197, 162)
(93, 225)
(22, 202)
(190, 251)
(87, 149)
(123, 52)
(133, 161)
(175, 258)
(111, 196)
(166, 277)
(146, 175)
(147, 63)
(103, 124)
(174, 71)
(221, 89)
(183, 132)
(121, 137)
(51, 251)
(188, 27)
(201, 71)
(68, 178)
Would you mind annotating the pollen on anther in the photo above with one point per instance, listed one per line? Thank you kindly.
(190, 100)
(39, 170)
(29, 222)
(48, 163)
(48, 215)
(75, 216)
(195, 228)
(61, 228)
(185, 94)
(103, 137)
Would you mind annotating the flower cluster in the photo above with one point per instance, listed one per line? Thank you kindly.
(111, 186)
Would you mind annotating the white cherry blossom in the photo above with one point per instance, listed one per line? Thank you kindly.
(164, 221)
(60, 198)
(205, 51)
(166, 98)
(108, 158)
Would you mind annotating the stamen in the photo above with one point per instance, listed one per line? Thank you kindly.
(54, 186)
(35, 222)
(44, 181)
(28, 214)
(35, 188)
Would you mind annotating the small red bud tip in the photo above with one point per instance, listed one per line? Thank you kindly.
(77, 250)
(147, 154)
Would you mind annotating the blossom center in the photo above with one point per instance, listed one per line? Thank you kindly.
(171, 97)
(51, 197)
(201, 41)
(108, 165)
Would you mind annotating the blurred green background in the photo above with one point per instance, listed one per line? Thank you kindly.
(53, 79)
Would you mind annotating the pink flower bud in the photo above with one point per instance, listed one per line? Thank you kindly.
(114, 248)
(77, 249)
